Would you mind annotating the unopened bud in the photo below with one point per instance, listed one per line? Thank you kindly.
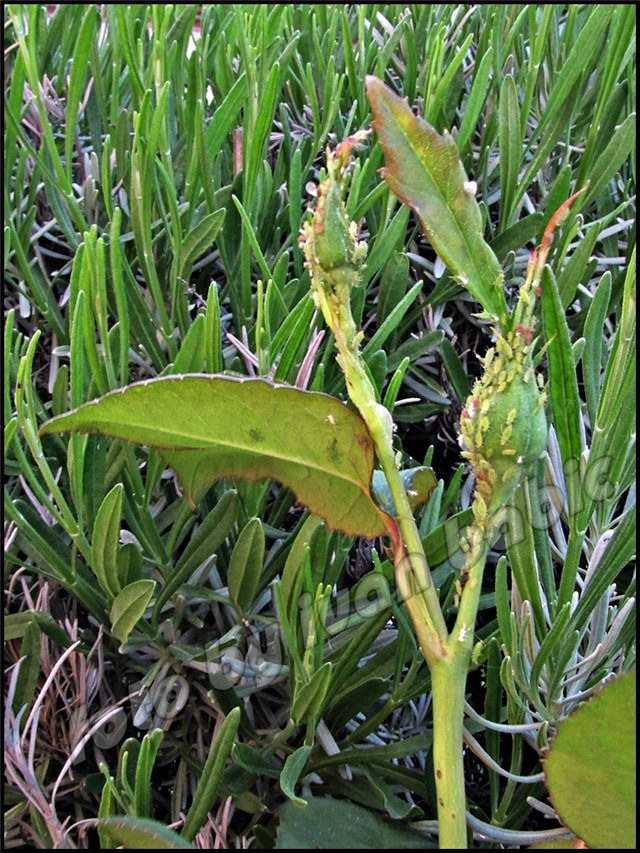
(333, 254)
(503, 425)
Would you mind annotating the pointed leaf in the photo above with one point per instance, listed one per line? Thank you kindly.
(198, 240)
(424, 170)
(291, 772)
(211, 777)
(309, 697)
(210, 427)
(106, 533)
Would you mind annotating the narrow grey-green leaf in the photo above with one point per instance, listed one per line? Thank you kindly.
(205, 541)
(418, 484)
(27, 681)
(510, 148)
(563, 382)
(574, 270)
(620, 145)
(455, 371)
(106, 534)
(198, 240)
(211, 775)
(593, 332)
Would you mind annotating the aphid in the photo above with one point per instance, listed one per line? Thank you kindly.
(526, 332)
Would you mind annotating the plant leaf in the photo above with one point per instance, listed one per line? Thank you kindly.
(310, 696)
(424, 171)
(326, 824)
(418, 484)
(291, 772)
(136, 833)
(211, 777)
(245, 566)
(106, 532)
(591, 770)
(211, 427)
(129, 606)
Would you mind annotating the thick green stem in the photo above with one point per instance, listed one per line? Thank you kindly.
(448, 678)
(448, 681)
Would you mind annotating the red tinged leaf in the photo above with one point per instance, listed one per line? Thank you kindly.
(424, 170)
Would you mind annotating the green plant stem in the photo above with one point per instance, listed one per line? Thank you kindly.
(447, 656)
(448, 678)
(448, 681)
(412, 571)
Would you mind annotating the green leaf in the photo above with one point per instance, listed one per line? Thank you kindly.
(424, 171)
(245, 566)
(574, 271)
(144, 767)
(77, 77)
(444, 541)
(594, 333)
(210, 427)
(519, 234)
(563, 382)
(362, 755)
(135, 833)
(329, 824)
(15, 625)
(510, 148)
(129, 606)
(393, 285)
(310, 697)
(455, 371)
(415, 348)
(293, 767)
(621, 144)
(418, 484)
(477, 99)
(291, 574)
(211, 775)
(191, 356)
(198, 240)
(205, 541)
(390, 323)
(106, 533)
(591, 768)
(27, 681)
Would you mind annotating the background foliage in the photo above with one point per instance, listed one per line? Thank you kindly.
(158, 163)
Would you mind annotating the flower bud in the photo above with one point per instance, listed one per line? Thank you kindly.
(503, 424)
(332, 252)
